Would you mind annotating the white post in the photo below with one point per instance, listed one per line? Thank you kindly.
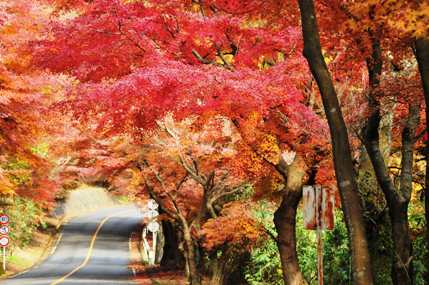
(4, 258)
(146, 246)
(154, 236)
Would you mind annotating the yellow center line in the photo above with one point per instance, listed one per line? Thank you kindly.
(88, 256)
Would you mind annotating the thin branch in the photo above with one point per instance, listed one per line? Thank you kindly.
(200, 58)
(120, 25)
(222, 57)
(191, 172)
(222, 194)
(183, 180)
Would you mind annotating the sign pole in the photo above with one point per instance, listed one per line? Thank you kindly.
(320, 256)
(319, 233)
(4, 259)
(154, 236)
(319, 204)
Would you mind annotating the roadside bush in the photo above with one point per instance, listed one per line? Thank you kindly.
(265, 268)
(25, 216)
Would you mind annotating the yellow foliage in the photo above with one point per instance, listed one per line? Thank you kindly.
(195, 7)
(280, 57)
(229, 59)
(136, 178)
(270, 149)
(6, 187)
(46, 90)
(254, 167)
(402, 16)
(255, 23)
(9, 30)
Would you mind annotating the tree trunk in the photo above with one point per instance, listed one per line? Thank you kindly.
(422, 55)
(401, 271)
(194, 276)
(379, 222)
(285, 222)
(398, 209)
(397, 200)
(344, 170)
(172, 257)
(377, 218)
(403, 242)
(217, 274)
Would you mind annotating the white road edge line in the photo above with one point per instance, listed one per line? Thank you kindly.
(91, 247)
(35, 266)
(57, 243)
(131, 254)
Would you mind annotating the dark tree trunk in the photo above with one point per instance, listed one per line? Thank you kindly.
(236, 276)
(344, 169)
(377, 219)
(285, 222)
(422, 55)
(222, 268)
(172, 258)
(397, 200)
(400, 225)
(402, 269)
(217, 274)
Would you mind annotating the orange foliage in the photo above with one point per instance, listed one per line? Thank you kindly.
(238, 228)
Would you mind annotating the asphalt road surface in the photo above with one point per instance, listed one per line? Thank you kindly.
(93, 249)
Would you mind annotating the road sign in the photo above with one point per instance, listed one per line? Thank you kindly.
(153, 227)
(319, 206)
(4, 241)
(152, 204)
(151, 214)
(4, 230)
(319, 203)
(4, 219)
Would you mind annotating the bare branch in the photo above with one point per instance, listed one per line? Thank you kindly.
(191, 171)
(200, 58)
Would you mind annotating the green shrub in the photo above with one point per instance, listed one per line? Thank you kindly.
(265, 268)
(25, 216)
(420, 253)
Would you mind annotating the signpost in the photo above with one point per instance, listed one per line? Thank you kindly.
(4, 219)
(319, 206)
(4, 230)
(4, 238)
(152, 204)
(150, 213)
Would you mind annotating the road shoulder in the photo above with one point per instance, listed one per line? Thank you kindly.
(36, 252)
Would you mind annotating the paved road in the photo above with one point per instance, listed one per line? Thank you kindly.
(93, 249)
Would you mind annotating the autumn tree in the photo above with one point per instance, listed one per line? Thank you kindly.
(27, 123)
(341, 149)
(195, 185)
(376, 40)
(422, 55)
(175, 65)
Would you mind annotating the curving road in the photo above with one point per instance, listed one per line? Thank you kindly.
(93, 249)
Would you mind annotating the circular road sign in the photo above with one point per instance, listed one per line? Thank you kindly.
(151, 214)
(152, 204)
(153, 227)
(4, 241)
(4, 230)
(4, 219)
